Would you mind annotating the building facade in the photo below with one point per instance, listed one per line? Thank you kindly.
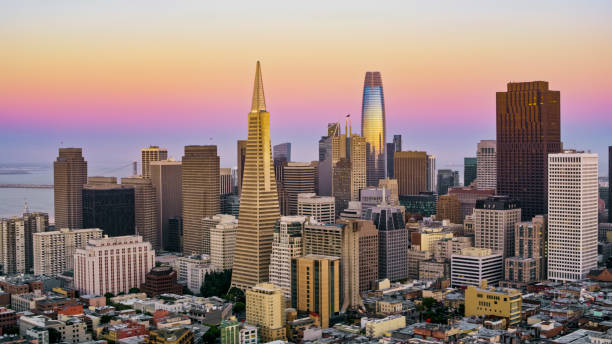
(112, 265)
(148, 155)
(69, 176)
(298, 178)
(449, 208)
(470, 167)
(54, 251)
(223, 243)
(373, 127)
(572, 215)
(12, 246)
(145, 210)
(167, 179)
(486, 165)
(321, 208)
(264, 309)
(528, 129)
(109, 206)
(410, 170)
(475, 265)
(494, 220)
(286, 245)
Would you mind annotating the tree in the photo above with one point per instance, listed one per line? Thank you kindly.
(54, 335)
(105, 319)
(211, 335)
(216, 283)
(108, 296)
(239, 307)
(235, 295)
(134, 290)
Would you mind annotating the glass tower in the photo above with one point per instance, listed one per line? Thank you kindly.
(373, 127)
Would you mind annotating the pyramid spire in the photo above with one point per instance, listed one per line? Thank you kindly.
(259, 101)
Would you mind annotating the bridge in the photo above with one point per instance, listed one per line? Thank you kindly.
(26, 186)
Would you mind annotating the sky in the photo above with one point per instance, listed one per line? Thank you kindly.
(115, 76)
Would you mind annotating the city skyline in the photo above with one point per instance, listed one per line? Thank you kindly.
(94, 90)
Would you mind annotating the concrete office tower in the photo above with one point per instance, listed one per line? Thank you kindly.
(209, 222)
(315, 286)
(264, 309)
(393, 187)
(109, 265)
(358, 165)
(145, 210)
(469, 170)
(393, 240)
(572, 215)
(528, 265)
(200, 194)
(109, 206)
(298, 177)
(372, 197)
(223, 243)
(69, 176)
(410, 172)
(373, 127)
(486, 165)
(341, 240)
(468, 197)
(446, 179)
(12, 246)
(392, 147)
(148, 155)
(494, 220)
(240, 159)
(287, 244)
(368, 254)
(475, 265)
(54, 251)
(528, 129)
(167, 178)
(259, 208)
(341, 186)
(34, 222)
(322, 209)
(226, 186)
(282, 151)
(431, 173)
(449, 208)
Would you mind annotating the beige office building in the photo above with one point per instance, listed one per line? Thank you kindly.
(410, 170)
(226, 186)
(54, 251)
(200, 169)
(298, 177)
(494, 220)
(392, 186)
(145, 210)
(358, 165)
(148, 155)
(113, 265)
(69, 176)
(12, 246)
(223, 243)
(286, 245)
(167, 178)
(259, 209)
(264, 309)
(321, 208)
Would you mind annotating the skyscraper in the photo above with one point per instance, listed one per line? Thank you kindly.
(259, 208)
(287, 244)
(153, 153)
(12, 246)
(410, 172)
(469, 170)
(282, 151)
(145, 210)
(358, 156)
(392, 147)
(33, 222)
(494, 220)
(486, 165)
(109, 206)
(572, 215)
(341, 186)
(298, 177)
(69, 176)
(373, 127)
(431, 173)
(446, 179)
(200, 168)
(167, 178)
(528, 129)
(226, 186)
(609, 181)
(240, 157)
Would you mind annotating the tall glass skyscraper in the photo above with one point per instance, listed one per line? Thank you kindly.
(373, 127)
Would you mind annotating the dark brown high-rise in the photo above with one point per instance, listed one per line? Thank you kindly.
(69, 176)
(410, 170)
(528, 129)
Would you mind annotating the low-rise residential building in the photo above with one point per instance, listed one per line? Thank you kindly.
(375, 328)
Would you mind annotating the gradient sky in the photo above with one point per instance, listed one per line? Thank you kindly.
(115, 76)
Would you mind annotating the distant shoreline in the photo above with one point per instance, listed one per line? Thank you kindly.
(12, 172)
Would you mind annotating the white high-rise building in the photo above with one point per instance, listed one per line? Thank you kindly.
(12, 246)
(572, 215)
(222, 243)
(486, 164)
(474, 265)
(287, 244)
(54, 251)
(112, 265)
(431, 173)
(321, 208)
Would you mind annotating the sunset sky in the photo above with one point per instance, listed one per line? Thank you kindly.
(115, 76)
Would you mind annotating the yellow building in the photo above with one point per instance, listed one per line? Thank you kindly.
(315, 286)
(264, 309)
(431, 235)
(378, 327)
(500, 302)
(388, 307)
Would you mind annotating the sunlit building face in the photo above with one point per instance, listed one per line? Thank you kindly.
(373, 126)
